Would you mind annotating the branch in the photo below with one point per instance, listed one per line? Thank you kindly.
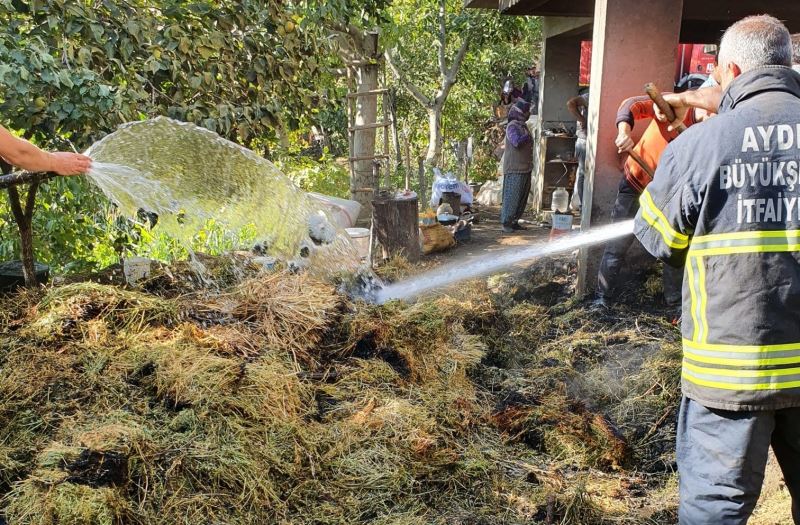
(351, 37)
(450, 78)
(414, 90)
(30, 201)
(442, 39)
(24, 177)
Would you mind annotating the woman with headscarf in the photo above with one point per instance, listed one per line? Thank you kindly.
(517, 166)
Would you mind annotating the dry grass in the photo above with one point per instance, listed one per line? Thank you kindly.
(276, 400)
(290, 312)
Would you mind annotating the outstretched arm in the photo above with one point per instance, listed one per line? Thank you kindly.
(707, 98)
(23, 154)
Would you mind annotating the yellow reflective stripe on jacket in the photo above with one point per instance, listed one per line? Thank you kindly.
(741, 373)
(714, 237)
(741, 379)
(746, 242)
(741, 357)
(729, 361)
(696, 273)
(657, 220)
(716, 347)
(739, 386)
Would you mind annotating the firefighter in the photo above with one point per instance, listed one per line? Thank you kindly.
(725, 202)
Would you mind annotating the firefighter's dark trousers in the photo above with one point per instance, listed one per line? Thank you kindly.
(625, 207)
(722, 456)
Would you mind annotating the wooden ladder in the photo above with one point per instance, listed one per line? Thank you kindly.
(386, 124)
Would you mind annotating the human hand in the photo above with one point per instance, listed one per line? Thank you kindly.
(679, 107)
(65, 163)
(624, 141)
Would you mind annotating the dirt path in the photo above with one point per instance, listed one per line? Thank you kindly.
(487, 237)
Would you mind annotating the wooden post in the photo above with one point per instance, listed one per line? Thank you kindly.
(396, 223)
(453, 199)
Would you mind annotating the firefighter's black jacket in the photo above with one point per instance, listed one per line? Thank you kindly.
(726, 201)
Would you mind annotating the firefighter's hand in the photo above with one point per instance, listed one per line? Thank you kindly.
(624, 141)
(679, 106)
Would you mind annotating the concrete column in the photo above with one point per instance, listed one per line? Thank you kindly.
(560, 66)
(560, 71)
(561, 63)
(633, 43)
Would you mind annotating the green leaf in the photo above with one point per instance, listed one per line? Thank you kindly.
(205, 52)
(97, 31)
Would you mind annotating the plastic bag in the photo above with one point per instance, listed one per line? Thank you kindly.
(448, 182)
(491, 193)
(344, 212)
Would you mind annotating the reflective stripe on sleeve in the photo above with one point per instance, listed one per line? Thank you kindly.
(657, 220)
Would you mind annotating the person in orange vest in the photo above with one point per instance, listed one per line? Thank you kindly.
(649, 148)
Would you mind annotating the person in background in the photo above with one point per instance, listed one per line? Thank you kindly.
(635, 179)
(22, 154)
(510, 92)
(508, 95)
(579, 107)
(517, 166)
(530, 90)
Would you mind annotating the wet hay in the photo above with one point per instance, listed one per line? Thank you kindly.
(274, 399)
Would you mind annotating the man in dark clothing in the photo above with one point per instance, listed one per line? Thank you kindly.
(725, 202)
(530, 90)
(579, 107)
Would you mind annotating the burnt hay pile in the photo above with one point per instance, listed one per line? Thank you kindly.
(279, 401)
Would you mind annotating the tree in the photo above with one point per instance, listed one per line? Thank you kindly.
(72, 71)
(354, 31)
(434, 103)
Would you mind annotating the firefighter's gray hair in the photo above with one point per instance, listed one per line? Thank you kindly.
(756, 41)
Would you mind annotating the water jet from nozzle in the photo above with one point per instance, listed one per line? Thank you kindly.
(497, 261)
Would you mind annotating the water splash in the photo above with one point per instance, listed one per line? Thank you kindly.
(497, 261)
(188, 176)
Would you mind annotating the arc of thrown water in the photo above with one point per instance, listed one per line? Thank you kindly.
(189, 175)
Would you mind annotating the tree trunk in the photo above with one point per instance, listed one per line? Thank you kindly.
(423, 184)
(24, 220)
(433, 157)
(407, 147)
(398, 163)
(366, 113)
(396, 224)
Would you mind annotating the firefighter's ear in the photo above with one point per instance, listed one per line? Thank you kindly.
(729, 71)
